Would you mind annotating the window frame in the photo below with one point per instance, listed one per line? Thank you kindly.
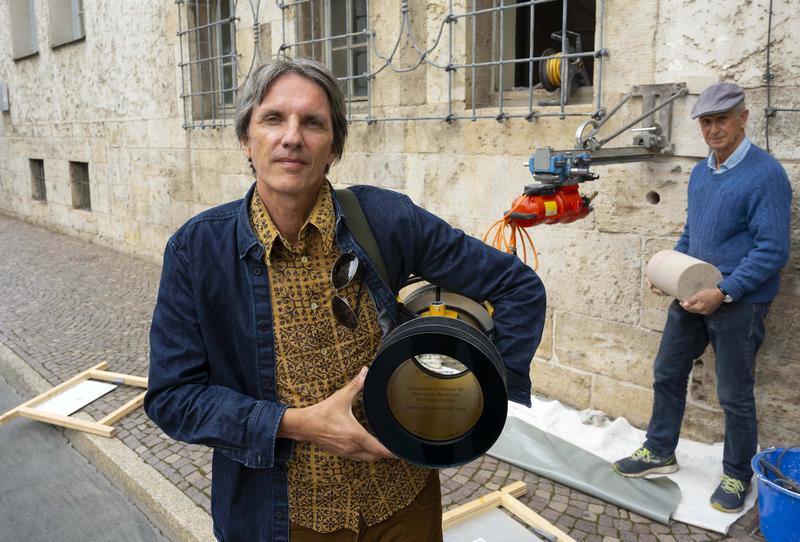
(227, 97)
(490, 91)
(313, 15)
(77, 22)
(206, 60)
(38, 183)
(14, 7)
(349, 78)
(80, 185)
(465, 74)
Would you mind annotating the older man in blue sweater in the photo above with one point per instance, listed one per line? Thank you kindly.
(738, 220)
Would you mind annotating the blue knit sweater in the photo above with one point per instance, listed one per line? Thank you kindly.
(739, 220)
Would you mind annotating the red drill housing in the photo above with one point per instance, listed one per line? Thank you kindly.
(549, 205)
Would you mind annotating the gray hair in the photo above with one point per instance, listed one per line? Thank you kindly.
(258, 83)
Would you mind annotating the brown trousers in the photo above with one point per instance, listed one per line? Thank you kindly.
(420, 521)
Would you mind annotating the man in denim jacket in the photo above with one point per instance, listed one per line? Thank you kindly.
(247, 356)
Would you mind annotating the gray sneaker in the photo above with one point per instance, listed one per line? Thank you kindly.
(643, 462)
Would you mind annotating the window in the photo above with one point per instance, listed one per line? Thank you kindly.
(66, 21)
(335, 32)
(208, 61)
(506, 55)
(509, 33)
(79, 179)
(23, 28)
(38, 190)
(5, 106)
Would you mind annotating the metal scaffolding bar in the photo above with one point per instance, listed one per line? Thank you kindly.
(480, 98)
(521, 60)
(207, 25)
(501, 8)
(328, 38)
(530, 62)
(470, 117)
(500, 84)
(598, 73)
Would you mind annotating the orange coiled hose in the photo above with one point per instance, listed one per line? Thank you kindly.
(505, 237)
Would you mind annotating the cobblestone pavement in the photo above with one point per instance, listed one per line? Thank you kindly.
(66, 305)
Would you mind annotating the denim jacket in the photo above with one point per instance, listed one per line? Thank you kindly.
(212, 355)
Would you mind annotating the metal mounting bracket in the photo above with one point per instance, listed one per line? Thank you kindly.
(655, 132)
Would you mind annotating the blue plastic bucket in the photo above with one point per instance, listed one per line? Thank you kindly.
(778, 507)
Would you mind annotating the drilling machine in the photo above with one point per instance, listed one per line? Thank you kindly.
(554, 197)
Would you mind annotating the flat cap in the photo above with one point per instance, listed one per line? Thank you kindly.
(717, 99)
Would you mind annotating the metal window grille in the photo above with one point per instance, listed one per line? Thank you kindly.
(513, 41)
(79, 177)
(38, 189)
(208, 61)
(336, 33)
(489, 70)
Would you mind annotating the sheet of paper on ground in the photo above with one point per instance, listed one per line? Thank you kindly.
(489, 526)
(76, 397)
(701, 464)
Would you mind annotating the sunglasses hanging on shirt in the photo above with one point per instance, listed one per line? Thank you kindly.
(346, 270)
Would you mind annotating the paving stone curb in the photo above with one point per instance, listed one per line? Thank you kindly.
(178, 517)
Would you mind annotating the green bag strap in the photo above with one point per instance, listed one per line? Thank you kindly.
(361, 231)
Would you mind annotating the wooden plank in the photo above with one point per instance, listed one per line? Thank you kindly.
(119, 378)
(14, 412)
(67, 421)
(481, 504)
(471, 508)
(517, 489)
(124, 410)
(532, 518)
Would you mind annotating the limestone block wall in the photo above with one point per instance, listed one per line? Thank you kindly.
(109, 100)
(605, 324)
(113, 100)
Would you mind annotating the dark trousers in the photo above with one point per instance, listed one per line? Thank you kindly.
(420, 521)
(736, 331)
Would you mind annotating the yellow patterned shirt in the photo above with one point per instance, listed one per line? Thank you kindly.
(315, 356)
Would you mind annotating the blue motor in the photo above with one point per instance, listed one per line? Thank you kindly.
(562, 168)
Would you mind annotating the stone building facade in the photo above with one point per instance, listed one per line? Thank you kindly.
(115, 133)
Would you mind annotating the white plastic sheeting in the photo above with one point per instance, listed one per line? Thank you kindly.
(701, 464)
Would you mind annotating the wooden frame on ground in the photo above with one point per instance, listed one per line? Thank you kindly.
(103, 427)
(507, 498)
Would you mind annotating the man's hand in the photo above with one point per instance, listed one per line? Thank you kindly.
(330, 424)
(704, 302)
(653, 289)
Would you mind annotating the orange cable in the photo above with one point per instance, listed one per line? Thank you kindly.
(507, 241)
(533, 249)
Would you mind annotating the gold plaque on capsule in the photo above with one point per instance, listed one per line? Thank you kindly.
(435, 397)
